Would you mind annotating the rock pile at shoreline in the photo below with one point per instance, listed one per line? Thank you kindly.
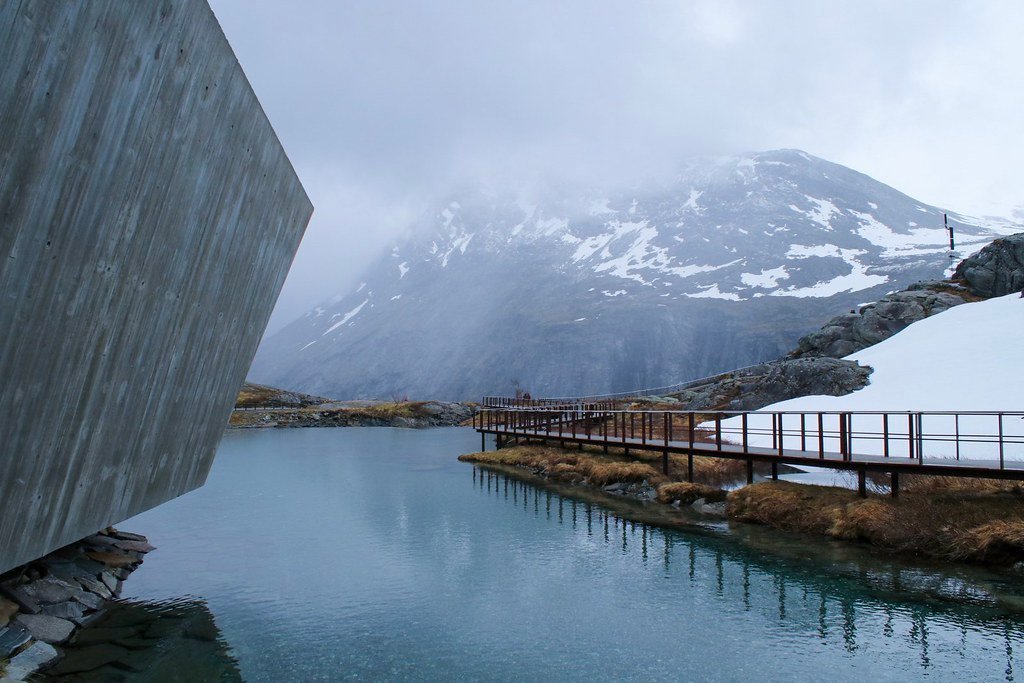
(44, 602)
(409, 415)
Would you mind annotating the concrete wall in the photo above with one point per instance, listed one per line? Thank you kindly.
(148, 217)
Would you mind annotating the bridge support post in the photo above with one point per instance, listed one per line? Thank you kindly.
(483, 442)
(664, 462)
(862, 488)
(497, 442)
(750, 471)
(689, 467)
(894, 484)
(775, 471)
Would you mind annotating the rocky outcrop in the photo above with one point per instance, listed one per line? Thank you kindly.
(996, 270)
(373, 414)
(859, 329)
(768, 383)
(43, 603)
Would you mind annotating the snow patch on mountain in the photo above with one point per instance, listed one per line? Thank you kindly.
(345, 318)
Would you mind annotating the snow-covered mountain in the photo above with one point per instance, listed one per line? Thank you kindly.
(727, 265)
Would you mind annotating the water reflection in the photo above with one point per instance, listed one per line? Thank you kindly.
(149, 642)
(845, 595)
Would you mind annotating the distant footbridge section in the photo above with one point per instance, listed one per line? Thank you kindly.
(963, 444)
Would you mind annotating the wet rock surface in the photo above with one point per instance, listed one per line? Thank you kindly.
(47, 600)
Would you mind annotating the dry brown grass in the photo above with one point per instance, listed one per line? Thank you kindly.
(950, 519)
(686, 493)
(572, 466)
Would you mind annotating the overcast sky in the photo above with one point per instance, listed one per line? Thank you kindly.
(383, 104)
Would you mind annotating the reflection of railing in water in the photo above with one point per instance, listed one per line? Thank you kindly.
(968, 444)
(850, 603)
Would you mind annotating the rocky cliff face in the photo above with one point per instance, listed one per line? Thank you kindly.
(996, 270)
(768, 383)
(727, 265)
(815, 368)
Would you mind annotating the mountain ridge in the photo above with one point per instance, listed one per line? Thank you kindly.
(726, 265)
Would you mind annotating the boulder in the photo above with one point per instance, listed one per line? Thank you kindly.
(51, 589)
(996, 270)
(872, 323)
(29, 661)
(11, 638)
(46, 628)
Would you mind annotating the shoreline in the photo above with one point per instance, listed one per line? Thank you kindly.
(407, 414)
(975, 522)
(44, 603)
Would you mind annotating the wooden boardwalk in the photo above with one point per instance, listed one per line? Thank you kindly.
(963, 444)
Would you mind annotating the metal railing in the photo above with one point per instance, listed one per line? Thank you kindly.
(986, 440)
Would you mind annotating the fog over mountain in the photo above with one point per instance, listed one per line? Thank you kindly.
(385, 105)
(725, 265)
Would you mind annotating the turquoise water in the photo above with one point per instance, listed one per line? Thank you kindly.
(332, 554)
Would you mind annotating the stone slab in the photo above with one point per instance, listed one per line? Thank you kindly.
(11, 638)
(46, 628)
(30, 660)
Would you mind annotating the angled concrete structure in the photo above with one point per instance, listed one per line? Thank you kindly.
(148, 217)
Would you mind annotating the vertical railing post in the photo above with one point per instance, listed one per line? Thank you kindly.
(956, 433)
(718, 431)
(743, 421)
(782, 434)
(1001, 462)
(842, 436)
(920, 438)
(910, 433)
(691, 429)
(821, 436)
(849, 435)
(885, 434)
(803, 431)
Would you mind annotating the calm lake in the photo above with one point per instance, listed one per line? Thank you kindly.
(328, 554)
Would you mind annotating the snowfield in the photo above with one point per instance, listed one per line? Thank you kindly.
(969, 358)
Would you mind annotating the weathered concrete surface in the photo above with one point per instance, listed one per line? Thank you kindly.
(148, 217)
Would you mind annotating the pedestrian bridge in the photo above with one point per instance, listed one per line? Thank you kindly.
(964, 444)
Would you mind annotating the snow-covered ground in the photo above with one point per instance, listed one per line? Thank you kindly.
(969, 358)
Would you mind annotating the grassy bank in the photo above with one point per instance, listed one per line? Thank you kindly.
(593, 466)
(960, 519)
(971, 520)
